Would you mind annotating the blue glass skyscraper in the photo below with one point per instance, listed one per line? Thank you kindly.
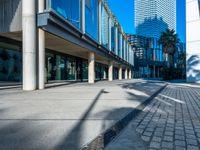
(153, 16)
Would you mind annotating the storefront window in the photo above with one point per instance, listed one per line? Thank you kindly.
(85, 70)
(91, 18)
(10, 63)
(60, 68)
(115, 73)
(69, 9)
(71, 69)
(50, 66)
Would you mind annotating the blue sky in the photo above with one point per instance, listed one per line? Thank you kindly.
(123, 9)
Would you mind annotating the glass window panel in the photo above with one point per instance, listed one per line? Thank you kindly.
(91, 18)
(119, 43)
(112, 36)
(71, 69)
(50, 66)
(104, 27)
(69, 9)
(122, 47)
(10, 65)
(85, 70)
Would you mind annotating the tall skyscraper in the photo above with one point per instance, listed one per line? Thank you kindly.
(153, 16)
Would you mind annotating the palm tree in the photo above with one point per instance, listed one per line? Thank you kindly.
(169, 40)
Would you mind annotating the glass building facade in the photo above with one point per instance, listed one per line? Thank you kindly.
(95, 10)
(83, 17)
(154, 16)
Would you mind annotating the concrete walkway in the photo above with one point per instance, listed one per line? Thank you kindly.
(67, 117)
(171, 121)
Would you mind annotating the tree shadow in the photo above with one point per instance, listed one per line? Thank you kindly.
(72, 140)
(193, 72)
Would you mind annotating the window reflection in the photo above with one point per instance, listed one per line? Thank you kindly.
(119, 43)
(104, 27)
(123, 47)
(69, 9)
(91, 19)
(112, 36)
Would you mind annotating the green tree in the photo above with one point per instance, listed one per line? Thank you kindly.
(169, 40)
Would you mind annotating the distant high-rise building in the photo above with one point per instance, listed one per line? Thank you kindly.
(153, 17)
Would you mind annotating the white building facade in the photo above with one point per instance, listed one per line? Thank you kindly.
(193, 40)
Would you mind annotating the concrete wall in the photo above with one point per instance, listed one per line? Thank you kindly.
(10, 15)
(193, 40)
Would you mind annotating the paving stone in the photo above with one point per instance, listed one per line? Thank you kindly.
(189, 132)
(167, 145)
(190, 136)
(145, 138)
(169, 133)
(180, 143)
(147, 133)
(140, 130)
(180, 148)
(191, 142)
(158, 134)
(156, 139)
(168, 138)
(190, 147)
(179, 132)
(155, 145)
(150, 129)
(169, 129)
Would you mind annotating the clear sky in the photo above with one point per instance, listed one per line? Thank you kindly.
(123, 10)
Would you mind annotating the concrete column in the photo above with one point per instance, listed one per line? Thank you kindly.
(29, 33)
(120, 72)
(110, 71)
(126, 73)
(41, 50)
(109, 34)
(91, 67)
(83, 16)
(99, 19)
(130, 74)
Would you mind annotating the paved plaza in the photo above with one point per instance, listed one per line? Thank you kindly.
(170, 121)
(68, 116)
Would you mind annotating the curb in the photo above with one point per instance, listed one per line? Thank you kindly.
(103, 139)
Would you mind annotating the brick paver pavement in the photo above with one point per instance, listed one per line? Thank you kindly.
(170, 121)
